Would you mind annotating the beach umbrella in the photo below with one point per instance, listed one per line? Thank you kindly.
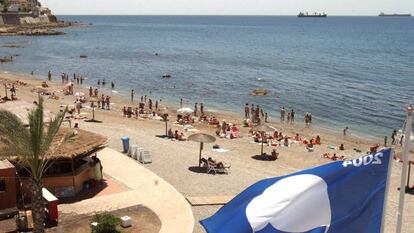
(185, 111)
(201, 138)
(164, 112)
(262, 129)
(93, 100)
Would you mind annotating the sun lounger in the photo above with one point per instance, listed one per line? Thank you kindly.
(137, 153)
(145, 157)
(132, 150)
(211, 168)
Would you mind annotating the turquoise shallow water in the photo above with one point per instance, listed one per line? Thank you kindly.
(354, 71)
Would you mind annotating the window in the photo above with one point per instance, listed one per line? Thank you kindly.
(2, 185)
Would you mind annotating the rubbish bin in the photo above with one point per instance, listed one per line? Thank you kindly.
(125, 143)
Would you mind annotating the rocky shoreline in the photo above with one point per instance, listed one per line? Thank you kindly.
(43, 29)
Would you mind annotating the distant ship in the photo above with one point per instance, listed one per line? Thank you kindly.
(314, 15)
(400, 15)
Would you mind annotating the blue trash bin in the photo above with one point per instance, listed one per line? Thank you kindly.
(125, 143)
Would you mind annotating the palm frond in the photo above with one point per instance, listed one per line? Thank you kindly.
(12, 128)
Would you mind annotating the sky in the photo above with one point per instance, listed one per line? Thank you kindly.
(227, 7)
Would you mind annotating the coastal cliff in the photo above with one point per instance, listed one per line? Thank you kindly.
(31, 19)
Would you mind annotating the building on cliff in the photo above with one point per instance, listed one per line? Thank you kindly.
(24, 12)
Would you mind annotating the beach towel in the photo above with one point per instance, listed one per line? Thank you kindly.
(220, 150)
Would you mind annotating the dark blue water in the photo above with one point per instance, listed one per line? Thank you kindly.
(346, 71)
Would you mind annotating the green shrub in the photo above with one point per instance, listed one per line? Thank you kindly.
(107, 223)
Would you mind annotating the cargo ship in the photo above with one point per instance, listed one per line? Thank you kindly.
(400, 15)
(314, 15)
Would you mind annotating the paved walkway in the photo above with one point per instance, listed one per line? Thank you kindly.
(146, 189)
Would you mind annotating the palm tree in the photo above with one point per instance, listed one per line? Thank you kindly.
(32, 147)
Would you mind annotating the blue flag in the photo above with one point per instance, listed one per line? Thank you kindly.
(339, 197)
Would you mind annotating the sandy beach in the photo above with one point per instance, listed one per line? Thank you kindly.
(177, 161)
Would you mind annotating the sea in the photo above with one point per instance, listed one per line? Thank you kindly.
(346, 71)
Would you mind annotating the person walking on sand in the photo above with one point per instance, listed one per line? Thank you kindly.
(103, 101)
(49, 75)
(393, 135)
(156, 105)
(132, 95)
(282, 114)
(90, 91)
(246, 111)
(150, 104)
(345, 130)
(108, 102)
(288, 117)
(202, 109)
(401, 140)
(96, 92)
(195, 109)
(385, 141)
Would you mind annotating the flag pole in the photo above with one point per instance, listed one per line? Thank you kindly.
(405, 167)
(387, 189)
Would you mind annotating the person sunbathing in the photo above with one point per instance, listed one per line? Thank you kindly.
(181, 137)
(257, 137)
(124, 111)
(212, 162)
(286, 141)
(318, 140)
(275, 135)
(234, 132)
(53, 96)
(342, 147)
(213, 121)
(297, 137)
(274, 155)
(280, 137)
(332, 156)
(373, 149)
(170, 133)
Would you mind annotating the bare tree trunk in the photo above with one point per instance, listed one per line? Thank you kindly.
(38, 207)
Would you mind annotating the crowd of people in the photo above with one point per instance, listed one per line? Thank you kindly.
(254, 114)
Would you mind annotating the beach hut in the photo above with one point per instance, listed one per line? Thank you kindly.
(70, 169)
